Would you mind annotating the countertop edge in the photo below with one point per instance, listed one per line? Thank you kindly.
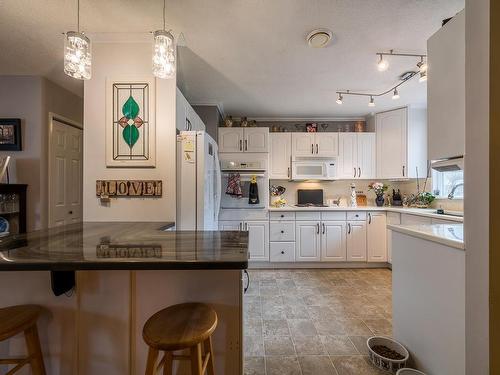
(457, 244)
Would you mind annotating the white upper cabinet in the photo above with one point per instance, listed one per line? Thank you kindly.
(356, 155)
(446, 89)
(280, 155)
(243, 139)
(333, 241)
(322, 145)
(401, 143)
(256, 139)
(376, 235)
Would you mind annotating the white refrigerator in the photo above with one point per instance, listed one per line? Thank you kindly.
(198, 182)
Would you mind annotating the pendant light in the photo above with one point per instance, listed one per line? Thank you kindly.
(395, 95)
(77, 52)
(340, 99)
(372, 102)
(163, 52)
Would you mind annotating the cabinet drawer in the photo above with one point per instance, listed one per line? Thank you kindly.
(282, 251)
(333, 216)
(356, 215)
(282, 230)
(308, 216)
(282, 215)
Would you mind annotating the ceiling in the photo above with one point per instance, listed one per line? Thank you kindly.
(250, 56)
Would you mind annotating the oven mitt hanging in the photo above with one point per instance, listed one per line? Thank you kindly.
(234, 185)
(253, 192)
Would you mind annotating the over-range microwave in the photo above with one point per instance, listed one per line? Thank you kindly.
(310, 169)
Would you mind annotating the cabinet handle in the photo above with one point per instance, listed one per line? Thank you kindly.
(348, 228)
(246, 145)
(312, 148)
(369, 218)
(246, 227)
(323, 224)
(241, 145)
(317, 148)
(317, 228)
(241, 224)
(288, 172)
(403, 170)
(354, 172)
(359, 172)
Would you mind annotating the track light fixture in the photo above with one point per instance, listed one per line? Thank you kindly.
(422, 66)
(382, 64)
(395, 95)
(371, 103)
(340, 99)
(423, 77)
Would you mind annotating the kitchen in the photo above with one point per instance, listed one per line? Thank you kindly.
(325, 186)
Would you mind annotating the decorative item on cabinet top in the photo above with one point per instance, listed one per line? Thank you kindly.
(128, 188)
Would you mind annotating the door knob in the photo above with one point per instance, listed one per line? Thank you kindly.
(71, 212)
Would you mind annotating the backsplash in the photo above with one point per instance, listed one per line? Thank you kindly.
(342, 189)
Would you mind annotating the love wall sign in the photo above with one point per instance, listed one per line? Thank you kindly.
(128, 188)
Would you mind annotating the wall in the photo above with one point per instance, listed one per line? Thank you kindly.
(31, 98)
(476, 208)
(211, 117)
(121, 58)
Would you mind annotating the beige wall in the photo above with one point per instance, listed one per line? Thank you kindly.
(124, 59)
(31, 98)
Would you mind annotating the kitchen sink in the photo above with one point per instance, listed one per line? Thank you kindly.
(440, 211)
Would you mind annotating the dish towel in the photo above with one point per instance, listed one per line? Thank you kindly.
(253, 192)
(234, 185)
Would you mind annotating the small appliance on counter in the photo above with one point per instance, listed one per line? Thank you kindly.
(310, 198)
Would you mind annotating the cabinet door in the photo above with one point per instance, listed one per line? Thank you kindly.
(366, 155)
(391, 128)
(333, 241)
(230, 140)
(280, 154)
(256, 139)
(307, 244)
(356, 241)
(376, 237)
(348, 164)
(392, 218)
(228, 225)
(327, 144)
(303, 144)
(258, 239)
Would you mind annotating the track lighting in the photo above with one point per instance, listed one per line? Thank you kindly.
(395, 95)
(163, 52)
(423, 77)
(422, 66)
(382, 64)
(372, 102)
(340, 99)
(77, 52)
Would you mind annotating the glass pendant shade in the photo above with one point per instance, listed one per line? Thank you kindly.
(163, 54)
(77, 55)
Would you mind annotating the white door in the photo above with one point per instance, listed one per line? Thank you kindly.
(230, 140)
(392, 144)
(356, 241)
(376, 235)
(366, 155)
(303, 144)
(333, 241)
(65, 174)
(392, 218)
(258, 239)
(280, 154)
(256, 139)
(327, 144)
(230, 225)
(348, 155)
(307, 244)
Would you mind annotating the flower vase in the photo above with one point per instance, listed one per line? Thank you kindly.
(380, 200)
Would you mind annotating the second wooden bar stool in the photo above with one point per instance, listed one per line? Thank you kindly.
(178, 327)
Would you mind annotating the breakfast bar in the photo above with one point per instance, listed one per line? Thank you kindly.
(123, 272)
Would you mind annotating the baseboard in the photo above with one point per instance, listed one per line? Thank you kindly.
(312, 265)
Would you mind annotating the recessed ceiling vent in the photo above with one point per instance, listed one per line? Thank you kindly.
(319, 38)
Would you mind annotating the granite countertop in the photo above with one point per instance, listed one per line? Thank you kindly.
(447, 234)
(123, 246)
(427, 212)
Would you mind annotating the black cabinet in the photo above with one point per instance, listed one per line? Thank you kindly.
(13, 206)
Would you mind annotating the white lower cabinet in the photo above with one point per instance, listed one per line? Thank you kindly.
(282, 251)
(356, 241)
(376, 237)
(258, 236)
(392, 218)
(333, 241)
(307, 246)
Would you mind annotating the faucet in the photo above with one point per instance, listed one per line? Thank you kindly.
(455, 187)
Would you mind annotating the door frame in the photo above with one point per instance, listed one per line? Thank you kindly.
(66, 121)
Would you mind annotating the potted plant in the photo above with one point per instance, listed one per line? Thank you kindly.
(378, 188)
(424, 199)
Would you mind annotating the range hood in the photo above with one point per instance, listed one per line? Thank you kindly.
(448, 165)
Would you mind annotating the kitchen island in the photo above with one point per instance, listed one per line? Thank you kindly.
(124, 273)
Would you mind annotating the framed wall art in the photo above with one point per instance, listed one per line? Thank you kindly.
(130, 123)
(10, 134)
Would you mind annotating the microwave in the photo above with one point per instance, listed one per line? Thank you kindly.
(314, 169)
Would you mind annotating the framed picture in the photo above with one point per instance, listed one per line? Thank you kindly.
(130, 123)
(10, 134)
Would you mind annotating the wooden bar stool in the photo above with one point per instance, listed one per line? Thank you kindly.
(18, 319)
(184, 326)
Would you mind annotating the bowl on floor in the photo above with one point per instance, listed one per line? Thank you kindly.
(382, 349)
(409, 371)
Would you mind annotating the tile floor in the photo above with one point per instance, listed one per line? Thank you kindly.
(315, 322)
